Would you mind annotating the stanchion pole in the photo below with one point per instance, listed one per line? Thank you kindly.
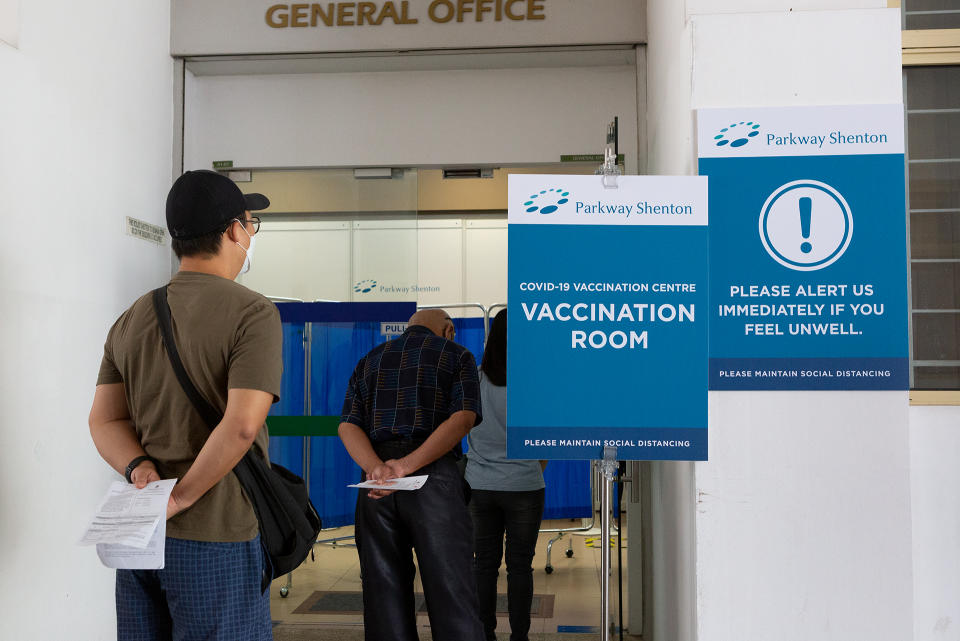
(608, 468)
(307, 403)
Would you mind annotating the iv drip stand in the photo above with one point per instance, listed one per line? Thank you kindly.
(608, 470)
(609, 170)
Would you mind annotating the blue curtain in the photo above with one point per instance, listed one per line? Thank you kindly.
(568, 490)
(470, 334)
(288, 450)
(336, 346)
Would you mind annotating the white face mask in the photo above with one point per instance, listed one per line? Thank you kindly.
(248, 259)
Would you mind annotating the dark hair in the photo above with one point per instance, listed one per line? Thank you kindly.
(206, 246)
(494, 363)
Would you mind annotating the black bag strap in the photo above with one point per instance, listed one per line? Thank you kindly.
(210, 415)
(245, 469)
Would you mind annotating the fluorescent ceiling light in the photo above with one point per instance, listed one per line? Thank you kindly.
(373, 172)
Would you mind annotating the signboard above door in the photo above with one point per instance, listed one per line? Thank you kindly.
(374, 14)
(248, 27)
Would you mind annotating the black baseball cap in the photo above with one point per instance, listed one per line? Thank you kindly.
(204, 201)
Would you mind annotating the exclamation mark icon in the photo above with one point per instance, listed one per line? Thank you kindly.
(805, 207)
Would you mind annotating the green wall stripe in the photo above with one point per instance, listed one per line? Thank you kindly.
(303, 425)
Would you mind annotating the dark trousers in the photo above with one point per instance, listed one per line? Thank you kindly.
(517, 514)
(435, 523)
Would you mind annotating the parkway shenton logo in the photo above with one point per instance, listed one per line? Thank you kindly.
(364, 286)
(738, 134)
(547, 201)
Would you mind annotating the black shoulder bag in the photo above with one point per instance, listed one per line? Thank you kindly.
(289, 523)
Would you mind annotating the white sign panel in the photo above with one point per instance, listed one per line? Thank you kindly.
(796, 131)
(582, 200)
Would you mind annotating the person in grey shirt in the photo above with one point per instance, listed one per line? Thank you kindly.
(507, 497)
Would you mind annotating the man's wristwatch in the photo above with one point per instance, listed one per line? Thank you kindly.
(132, 465)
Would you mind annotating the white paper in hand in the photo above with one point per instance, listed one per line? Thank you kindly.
(405, 483)
(128, 557)
(129, 527)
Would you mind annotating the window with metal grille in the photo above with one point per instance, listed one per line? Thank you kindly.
(932, 97)
(931, 14)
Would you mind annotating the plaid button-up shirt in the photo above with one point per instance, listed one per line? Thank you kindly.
(408, 386)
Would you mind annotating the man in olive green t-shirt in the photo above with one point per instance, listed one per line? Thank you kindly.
(143, 424)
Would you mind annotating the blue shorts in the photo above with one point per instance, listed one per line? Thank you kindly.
(208, 591)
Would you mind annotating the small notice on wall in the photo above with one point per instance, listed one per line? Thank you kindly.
(10, 22)
(146, 231)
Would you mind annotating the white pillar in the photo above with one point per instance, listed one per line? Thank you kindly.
(85, 135)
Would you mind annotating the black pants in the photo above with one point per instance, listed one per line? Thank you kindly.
(517, 514)
(433, 521)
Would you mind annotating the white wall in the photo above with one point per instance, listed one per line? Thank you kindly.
(408, 118)
(85, 125)
(305, 260)
(485, 261)
(802, 515)
(839, 57)
(440, 271)
(934, 443)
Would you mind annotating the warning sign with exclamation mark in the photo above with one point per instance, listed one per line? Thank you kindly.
(808, 264)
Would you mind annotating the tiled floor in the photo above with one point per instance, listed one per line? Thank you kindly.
(575, 582)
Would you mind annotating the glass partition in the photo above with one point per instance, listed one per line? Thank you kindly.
(331, 235)
(410, 238)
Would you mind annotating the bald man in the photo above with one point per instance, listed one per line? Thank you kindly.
(409, 403)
